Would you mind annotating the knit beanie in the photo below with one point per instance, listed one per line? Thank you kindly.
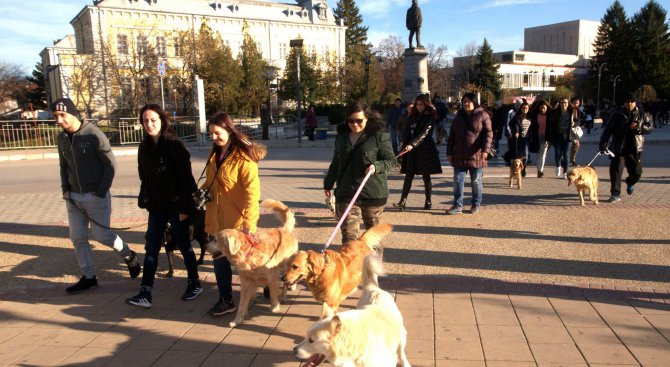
(64, 105)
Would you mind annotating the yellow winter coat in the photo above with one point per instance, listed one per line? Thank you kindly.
(236, 191)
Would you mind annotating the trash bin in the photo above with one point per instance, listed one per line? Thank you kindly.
(321, 133)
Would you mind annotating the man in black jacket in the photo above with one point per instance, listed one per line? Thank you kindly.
(625, 128)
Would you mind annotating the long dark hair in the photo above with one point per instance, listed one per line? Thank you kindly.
(374, 123)
(237, 138)
(430, 109)
(166, 132)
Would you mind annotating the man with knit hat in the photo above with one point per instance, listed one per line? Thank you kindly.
(86, 172)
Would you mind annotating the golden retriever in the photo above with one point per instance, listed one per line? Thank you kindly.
(371, 335)
(333, 276)
(585, 179)
(515, 172)
(259, 262)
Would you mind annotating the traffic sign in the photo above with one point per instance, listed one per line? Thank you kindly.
(162, 65)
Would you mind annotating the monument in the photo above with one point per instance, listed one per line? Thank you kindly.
(415, 68)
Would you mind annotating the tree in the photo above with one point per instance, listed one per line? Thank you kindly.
(651, 56)
(310, 77)
(356, 34)
(438, 74)
(464, 63)
(253, 90)
(85, 81)
(35, 93)
(612, 45)
(392, 49)
(11, 81)
(486, 70)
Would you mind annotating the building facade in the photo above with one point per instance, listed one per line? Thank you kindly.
(127, 28)
(575, 37)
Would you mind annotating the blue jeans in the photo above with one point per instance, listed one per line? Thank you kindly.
(224, 278)
(155, 232)
(394, 139)
(475, 182)
(561, 145)
(100, 210)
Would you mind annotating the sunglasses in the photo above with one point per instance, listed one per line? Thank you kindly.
(356, 121)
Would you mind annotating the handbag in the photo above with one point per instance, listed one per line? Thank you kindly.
(576, 133)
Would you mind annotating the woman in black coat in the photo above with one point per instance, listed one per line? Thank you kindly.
(419, 155)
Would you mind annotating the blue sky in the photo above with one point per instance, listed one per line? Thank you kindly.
(30, 25)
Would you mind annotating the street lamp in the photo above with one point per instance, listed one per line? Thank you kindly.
(270, 73)
(600, 69)
(614, 79)
(367, 59)
(296, 45)
(544, 79)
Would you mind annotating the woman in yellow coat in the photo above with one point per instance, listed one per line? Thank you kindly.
(232, 179)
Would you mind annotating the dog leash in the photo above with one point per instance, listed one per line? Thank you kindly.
(606, 152)
(94, 221)
(346, 212)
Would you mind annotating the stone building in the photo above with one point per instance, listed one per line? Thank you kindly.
(127, 27)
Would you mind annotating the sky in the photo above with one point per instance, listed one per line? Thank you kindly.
(28, 26)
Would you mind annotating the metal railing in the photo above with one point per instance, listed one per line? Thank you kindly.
(26, 134)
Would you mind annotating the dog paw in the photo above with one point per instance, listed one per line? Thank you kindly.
(276, 309)
(293, 287)
(235, 323)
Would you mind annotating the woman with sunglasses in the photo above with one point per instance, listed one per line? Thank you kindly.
(362, 145)
(419, 152)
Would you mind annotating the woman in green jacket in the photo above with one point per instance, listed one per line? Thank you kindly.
(361, 145)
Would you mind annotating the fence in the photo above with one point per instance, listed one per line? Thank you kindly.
(25, 134)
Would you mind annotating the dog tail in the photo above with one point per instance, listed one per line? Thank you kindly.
(373, 236)
(282, 212)
(372, 269)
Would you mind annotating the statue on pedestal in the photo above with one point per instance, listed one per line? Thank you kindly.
(413, 23)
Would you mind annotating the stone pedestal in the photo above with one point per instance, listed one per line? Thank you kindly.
(415, 73)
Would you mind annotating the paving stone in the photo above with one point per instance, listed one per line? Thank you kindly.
(556, 353)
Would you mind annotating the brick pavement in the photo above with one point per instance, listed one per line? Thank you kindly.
(459, 313)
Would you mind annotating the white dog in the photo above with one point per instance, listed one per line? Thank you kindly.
(371, 335)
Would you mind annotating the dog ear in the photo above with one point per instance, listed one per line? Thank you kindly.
(335, 325)
(233, 244)
(314, 260)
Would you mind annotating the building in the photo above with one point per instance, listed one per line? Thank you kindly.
(549, 51)
(127, 28)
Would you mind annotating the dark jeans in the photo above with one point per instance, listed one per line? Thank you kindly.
(633, 163)
(309, 132)
(561, 146)
(370, 215)
(224, 278)
(155, 232)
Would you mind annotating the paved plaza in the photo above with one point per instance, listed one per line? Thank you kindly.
(532, 280)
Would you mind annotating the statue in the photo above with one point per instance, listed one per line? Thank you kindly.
(413, 23)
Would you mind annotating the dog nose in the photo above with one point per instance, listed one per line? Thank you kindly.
(283, 278)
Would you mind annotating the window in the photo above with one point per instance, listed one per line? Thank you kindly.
(519, 57)
(282, 50)
(507, 57)
(526, 80)
(122, 44)
(178, 47)
(160, 46)
(142, 46)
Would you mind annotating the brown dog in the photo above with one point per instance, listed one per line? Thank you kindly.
(515, 171)
(333, 276)
(259, 262)
(585, 179)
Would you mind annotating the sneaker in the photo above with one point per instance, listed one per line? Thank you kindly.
(559, 171)
(565, 176)
(193, 289)
(630, 189)
(134, 267)
(540, 174)
(454, 210)
(222, 307)
(142, 299)
(82, 285)
(474, 209)
(614, 199)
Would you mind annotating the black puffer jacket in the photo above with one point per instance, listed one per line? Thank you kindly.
(165, 174)
(619, 126)
(424, 157)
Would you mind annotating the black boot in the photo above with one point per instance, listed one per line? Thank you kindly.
(428, 187)
(401, 204)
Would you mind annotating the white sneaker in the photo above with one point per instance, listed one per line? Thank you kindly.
(565, 176)
(559, 171)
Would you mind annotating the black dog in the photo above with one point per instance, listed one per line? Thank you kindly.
(196, 232)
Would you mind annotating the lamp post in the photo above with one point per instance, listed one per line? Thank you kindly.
(296, 44)
(367, 59)
(600, 69)
(270, 73)
(614, 79)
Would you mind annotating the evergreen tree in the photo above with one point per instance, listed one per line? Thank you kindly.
(356, 34)
(486, 70)
(612, 45)
(310, 77)
(36, 94)
(651, 57)
(253, 87)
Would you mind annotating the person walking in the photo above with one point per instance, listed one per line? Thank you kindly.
(393, 116)
(623, 136)
(470, 139)
(166, 192)
(419, 152)
(87, 167)
(231, 177)
(576, 132)
(539, 139)
(519, 129)
(312, 122)
(361, 146)
(558, 130)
